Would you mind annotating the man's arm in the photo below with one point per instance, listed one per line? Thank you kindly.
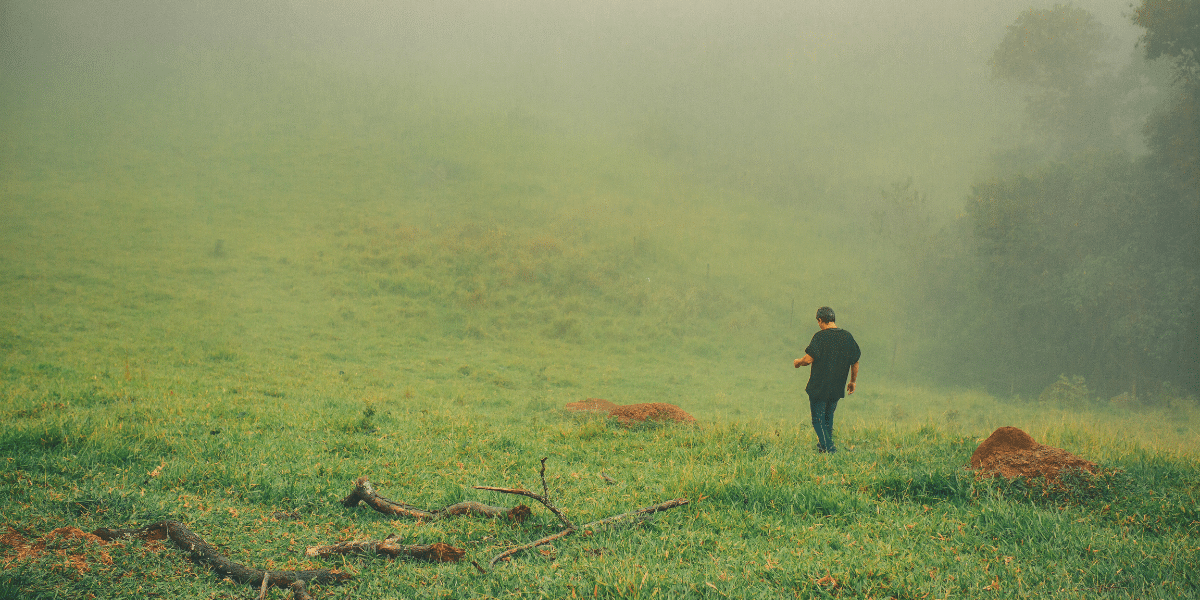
(853, 377)
(803, 362)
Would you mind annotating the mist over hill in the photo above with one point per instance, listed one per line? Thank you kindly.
(748, 161)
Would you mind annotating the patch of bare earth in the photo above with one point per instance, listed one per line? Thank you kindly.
(1013, 453)
(629, 414)
(57, 541)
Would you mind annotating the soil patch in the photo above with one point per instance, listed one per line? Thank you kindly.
(633, 413)
(1013, 453)
(57, 541)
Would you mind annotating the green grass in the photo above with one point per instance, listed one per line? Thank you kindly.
(896, 514)
(268, 321)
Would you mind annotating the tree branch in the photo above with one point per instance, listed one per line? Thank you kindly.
(299, 591)
(602, 522)
(205, 554)
(364, 492)
(546, 540)
(669, 504)
(544, 498)
(436, 552)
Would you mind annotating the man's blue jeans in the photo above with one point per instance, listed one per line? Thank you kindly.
(822, 420)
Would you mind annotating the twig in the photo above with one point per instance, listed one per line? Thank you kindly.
(544, 498)
(262, 593)
(437, 552)
(570, 528)
(605, 521)
(364, 492)
(546, 540)
(545, 501)
(204, 553)
(299, 591)
(669, 504)
(542, 473)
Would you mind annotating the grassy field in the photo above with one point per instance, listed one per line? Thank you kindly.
(217, 331)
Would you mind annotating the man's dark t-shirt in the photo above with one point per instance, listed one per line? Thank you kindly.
(833, 350)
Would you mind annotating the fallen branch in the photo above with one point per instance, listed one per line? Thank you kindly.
(204, 553)
(299, 591)
(262, 593)
(570, 527)
(668, 505)
(605, 521)
(544, 498)
(437, 552)
(546, 540)
(365, 493)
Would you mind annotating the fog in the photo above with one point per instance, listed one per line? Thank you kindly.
(821, 94)
(815, 107)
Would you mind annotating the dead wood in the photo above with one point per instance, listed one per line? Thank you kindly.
(649, 510)
(262, 593)
(205, 554)
(570, 527)
(365, 493)
(299, 591)
(594, 524)
(546, 540)
(544, 498)
(388, 546)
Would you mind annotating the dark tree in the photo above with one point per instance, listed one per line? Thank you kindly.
(1055, 53)
(1172, 30)
(1173, 136)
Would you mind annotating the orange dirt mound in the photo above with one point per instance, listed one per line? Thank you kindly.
(633, 413)
(652, 411)
(1013, 453)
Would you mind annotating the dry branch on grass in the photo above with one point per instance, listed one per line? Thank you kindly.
(570, 527)
(388, 546)
(365, 493)
(602, 522)
(299, 591)
(544, 497)
(204, 553)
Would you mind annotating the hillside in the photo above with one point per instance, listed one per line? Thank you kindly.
(223, 313)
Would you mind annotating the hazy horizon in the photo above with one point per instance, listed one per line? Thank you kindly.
(859, 94)
(744, 134)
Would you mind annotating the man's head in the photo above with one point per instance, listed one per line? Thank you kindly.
(825, 315)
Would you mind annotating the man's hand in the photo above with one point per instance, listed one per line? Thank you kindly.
(850, 388)
(796, 363)
(802, 362)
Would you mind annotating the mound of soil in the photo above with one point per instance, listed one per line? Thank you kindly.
(633, 413)
(652, 411)
(1013, 453)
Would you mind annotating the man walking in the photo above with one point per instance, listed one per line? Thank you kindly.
(832, 353)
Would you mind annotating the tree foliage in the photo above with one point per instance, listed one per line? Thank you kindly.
(1052, 49)
(1055, 54)
(1172, 30)
(1069, 262)
(1089, 265)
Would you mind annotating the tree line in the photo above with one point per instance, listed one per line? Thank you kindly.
(1079, 257)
